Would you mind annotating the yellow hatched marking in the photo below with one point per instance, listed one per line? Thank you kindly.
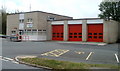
(56, 53)
(63, 53)
(52, 53)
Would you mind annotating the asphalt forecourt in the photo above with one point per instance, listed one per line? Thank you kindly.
(78, 53)
(82, 56)
(57, 64)
(69, 59)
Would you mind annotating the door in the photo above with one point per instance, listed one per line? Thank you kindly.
(21, 32)
(57, 32)
(95, 32)
(75, 32)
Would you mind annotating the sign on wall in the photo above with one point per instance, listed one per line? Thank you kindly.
(95, 21)
(21, 16)
(21, 26)
(57, 22)
(75, 22)
(30, 25)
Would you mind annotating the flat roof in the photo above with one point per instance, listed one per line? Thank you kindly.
(41, 12)
(78, 19)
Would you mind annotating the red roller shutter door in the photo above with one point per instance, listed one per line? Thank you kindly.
(75, 32)
(57, 32)
(95, 32)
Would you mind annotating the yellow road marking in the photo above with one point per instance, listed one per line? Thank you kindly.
(79, 52)
(89, 55)
(56, 53)
(63, 52)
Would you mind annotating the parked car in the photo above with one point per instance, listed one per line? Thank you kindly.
(14, 39)
(4, 36)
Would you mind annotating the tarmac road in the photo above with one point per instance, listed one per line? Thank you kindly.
(95, 54)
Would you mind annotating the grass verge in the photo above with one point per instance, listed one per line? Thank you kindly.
(55, 64)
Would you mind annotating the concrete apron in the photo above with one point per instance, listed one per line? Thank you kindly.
(89, 43)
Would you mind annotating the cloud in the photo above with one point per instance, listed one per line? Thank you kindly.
(74, 8)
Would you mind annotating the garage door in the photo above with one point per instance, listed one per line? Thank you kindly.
(75, 32)
(95, 32)
(57, 32)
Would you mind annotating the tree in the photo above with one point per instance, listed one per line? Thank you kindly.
(0, 22)
(4, 18)
(110, 11)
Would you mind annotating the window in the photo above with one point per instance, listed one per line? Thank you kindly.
(80, 33)
(57, 33)
(70, 36)
(34, 30)
(39, 30)
(44, 30)
(100, 37)
(50, 18)
(100, 33)
(30, 20)
(80, 36)
(75, 33)
(61, 33)
(90, 33)
(90, 37)
(75, 36)
(53, 36)
(70, 33)
(62, 36)
(57, 36)
(95, 33)
(13, 31)
(25, 32)
(54, 33)
(21, 20)
(29, 30)
(95, 36)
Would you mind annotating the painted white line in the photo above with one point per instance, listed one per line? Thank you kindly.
(117, 58)
(4, 60)
(89, 55)
(15, 62)
(8, 58)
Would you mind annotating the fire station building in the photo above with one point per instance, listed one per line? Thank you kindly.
(47, 26)
(85, 30)
(31, 25)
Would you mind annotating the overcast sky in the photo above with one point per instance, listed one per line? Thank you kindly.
(73, 8)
